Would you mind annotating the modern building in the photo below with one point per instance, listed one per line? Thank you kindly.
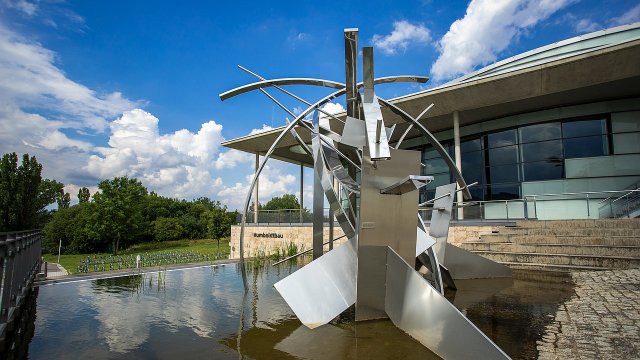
(545, 134)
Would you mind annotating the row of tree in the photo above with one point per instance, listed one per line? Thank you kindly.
(123, 213)
(120, 214)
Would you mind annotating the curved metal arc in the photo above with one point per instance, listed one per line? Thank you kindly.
(398, 79)
(268, 155)
(283, 81)
(434, 142)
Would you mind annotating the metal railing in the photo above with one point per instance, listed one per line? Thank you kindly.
(626, 205)
(570, 205)
(20, 261)
(282, 216)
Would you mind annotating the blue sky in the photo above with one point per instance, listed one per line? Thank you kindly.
(97, 89)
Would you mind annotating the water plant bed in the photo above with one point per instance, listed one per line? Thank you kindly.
(204, 312)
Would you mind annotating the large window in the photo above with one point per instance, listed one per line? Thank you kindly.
(500, 161)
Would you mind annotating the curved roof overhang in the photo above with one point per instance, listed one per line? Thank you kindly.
(597, 74)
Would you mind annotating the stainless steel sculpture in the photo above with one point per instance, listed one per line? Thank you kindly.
(374, 270)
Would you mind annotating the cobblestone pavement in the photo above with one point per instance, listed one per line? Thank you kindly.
(601, 321)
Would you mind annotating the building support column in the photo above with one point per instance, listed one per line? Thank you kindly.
(301, 193)
(318, 211)
(458, 156)
(256, 193)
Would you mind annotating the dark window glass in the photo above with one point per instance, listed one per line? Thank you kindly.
(477, 193)
(503, 174)
(583, 128)
(429, 153)
(503, 138)
(544, 150)
(504, 192)
(470, 145)
(435, 166)
(542, 170)
(503, 155)
(439, 179)
(586, 146)
(540, 132)
(472, 167)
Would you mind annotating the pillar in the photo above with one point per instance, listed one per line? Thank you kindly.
(458, 156)
(256, 193)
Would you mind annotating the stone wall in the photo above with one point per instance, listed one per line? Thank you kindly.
(269, 239)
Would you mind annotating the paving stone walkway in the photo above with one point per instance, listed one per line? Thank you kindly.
(601, 321)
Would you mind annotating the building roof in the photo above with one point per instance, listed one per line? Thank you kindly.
(598, 66)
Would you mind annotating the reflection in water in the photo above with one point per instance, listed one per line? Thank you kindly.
(206, 312)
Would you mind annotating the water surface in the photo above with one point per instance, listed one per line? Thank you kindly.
(204, 312)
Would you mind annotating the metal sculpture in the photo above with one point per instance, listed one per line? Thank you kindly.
(375, 269)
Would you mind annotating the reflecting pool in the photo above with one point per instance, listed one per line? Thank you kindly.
(204, 312)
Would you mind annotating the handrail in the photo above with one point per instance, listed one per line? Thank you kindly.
(634, 187)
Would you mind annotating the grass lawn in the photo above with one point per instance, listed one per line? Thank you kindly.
(203, 247)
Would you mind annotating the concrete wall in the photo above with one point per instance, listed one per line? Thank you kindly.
(269, 239)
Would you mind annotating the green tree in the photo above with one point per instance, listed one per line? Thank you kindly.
(219, 222)
(24, 196)
(286, 201)
(84, 195)
(168, 229)
(119, 208)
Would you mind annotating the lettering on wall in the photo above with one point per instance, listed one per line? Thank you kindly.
(268, 235)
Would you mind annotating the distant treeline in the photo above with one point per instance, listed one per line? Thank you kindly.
(123, 213)
(120, 214)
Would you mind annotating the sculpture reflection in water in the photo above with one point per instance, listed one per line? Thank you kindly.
(375, 270)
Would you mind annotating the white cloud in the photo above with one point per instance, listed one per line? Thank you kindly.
(28, 8)
(630, 16)
(46, 114)
(264, 128)
(333, 108)
(586, 26)
(179, 164)
(403, 35)
(275, 180)
(487, 29)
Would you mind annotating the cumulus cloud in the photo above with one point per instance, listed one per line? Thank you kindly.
(403, 34)
(630, 16)
(487, 29)
(333, 108)
(177, 164)
(264, 128)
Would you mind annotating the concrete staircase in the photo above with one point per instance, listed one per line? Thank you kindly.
(563, 245)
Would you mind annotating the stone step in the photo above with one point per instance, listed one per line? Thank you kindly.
(587, 223)
(566, 231)
(570, 240)
(551, 268)
(615, 262)
(594, 223)
(591, 250)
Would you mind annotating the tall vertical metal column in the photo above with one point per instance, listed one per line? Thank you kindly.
(458, 156)
(255, 195)
(350, 58)
(350, 67)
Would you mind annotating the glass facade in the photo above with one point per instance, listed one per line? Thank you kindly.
(500, 161)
